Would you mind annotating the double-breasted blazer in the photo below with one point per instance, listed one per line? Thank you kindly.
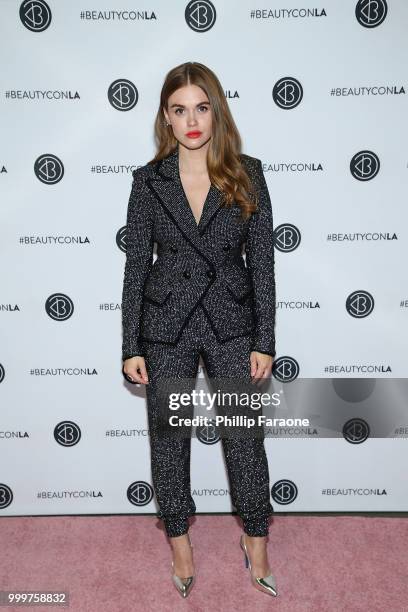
(197, 264)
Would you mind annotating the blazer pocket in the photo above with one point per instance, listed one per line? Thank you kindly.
(239, 283)
(157, 291)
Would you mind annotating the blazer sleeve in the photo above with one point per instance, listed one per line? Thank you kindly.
(260, 260)
(139, 259)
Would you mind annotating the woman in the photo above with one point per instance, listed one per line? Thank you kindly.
(200, 199)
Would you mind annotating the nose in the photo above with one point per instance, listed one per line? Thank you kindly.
(192, 120)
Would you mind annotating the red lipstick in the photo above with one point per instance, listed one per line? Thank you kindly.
(194, 134)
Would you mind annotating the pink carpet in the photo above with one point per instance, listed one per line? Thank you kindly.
(122, 563)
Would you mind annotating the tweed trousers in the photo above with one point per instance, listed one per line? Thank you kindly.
(245, 456)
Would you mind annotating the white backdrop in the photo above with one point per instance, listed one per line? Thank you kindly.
(320, 96)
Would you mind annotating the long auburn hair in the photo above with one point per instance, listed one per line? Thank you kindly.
(223, 162)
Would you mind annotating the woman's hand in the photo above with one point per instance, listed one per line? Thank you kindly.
(261, 366)
(132, 367)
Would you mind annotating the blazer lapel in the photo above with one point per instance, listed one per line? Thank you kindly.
(167, 186)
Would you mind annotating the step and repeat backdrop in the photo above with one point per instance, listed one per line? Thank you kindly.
(319, 93)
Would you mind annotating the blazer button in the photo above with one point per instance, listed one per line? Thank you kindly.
(227, 246)
(210, 273)
(186, 274)
(173, 249)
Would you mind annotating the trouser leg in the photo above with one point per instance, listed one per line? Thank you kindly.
(245, 456)
(170, 455)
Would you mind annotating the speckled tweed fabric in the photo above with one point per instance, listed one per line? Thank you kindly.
(196, 263)
(245, 457)
(198, 294)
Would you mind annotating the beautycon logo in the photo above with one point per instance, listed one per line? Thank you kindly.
(6, 496)
(49, 169)
(67, 433)
(208, 434)
(35, 15)
(371, 14)
(284, 492)
(286, 237)
(121, 239)
(200, 15)
(287, 93)
(360, 304)
(123, 95)
(140, 493)
(59, 307)
(285, 369)
(364, 165)
(356, 431)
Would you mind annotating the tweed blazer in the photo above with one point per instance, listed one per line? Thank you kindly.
(196, 263)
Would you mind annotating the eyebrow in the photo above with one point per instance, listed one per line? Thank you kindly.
(182, 105)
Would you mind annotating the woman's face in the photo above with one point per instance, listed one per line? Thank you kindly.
(190, 115)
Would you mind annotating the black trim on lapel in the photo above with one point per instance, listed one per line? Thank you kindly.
(166, 185)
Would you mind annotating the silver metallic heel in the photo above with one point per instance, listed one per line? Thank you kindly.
(267, 584)
(183, 585)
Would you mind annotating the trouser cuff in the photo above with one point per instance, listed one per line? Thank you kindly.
(176, 528)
